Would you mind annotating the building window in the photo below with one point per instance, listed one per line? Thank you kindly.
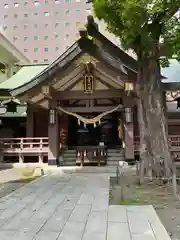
(36, 3)
(88, 10)
(67, 1)
(16, 4)
(6, 5)
(45, 60)
(35, 61)
(15, 39)
(15, 15)
(35, 14)
(5, 28)
(56, 13)
(35, 49)
(67, 24)
(45, 37)
(35, 37)
(78, 11)
(46, 49)
(46, 25)
(15, 27)
(46, 14)
(56, 25)
(5, 16)
(35, 25)
(57, 49)
(25, 26)
(56, 36)
(67, 11)
(25, 50)
(25, 4)
(26, 15)
(25, 38)
(46, 1)
(67, 35)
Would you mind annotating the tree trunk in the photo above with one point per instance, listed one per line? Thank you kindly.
(153, 120)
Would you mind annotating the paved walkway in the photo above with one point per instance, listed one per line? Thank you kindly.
(74, 208)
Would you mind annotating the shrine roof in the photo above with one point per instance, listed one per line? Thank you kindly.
(91, 42)
(23, 76)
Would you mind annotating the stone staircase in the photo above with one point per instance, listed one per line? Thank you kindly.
(69, 157)
(114, 155)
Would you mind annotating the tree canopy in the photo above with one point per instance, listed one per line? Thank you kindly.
(141, 24)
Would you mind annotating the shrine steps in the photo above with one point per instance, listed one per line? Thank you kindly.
(115, 155)
(69, 157)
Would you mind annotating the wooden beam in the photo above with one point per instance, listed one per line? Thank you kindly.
(91, 109)
(175, 86)
(99, 94)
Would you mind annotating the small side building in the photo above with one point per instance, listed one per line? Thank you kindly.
(11, 58)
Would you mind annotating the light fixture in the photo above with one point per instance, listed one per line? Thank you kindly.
(129, 86)
(3, 109)
(52, 116)
(128, 115)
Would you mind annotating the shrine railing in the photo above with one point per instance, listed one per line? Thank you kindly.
(174, 143)
(24, 147)
(91, 155)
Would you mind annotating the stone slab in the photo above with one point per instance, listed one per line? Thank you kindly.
(74, 207)
(72, 231)
(117, 231)
(46, 235)
(94, 236)
(117, 214)
(80, 213)
(97, 222)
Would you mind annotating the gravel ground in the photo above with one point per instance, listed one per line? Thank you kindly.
(11, 179)
(155, 194)
(8, 188)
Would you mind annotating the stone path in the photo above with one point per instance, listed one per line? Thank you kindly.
(74, 207)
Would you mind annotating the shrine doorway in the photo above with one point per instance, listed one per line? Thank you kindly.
(90, 135)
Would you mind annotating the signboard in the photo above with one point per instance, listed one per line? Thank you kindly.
(88, 83)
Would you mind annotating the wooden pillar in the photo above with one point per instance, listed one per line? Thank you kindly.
(129, 139)
(53, 135)
(30, 121)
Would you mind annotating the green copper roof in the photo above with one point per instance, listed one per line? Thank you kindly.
(23, 76)
(21, 112)
(172, 73)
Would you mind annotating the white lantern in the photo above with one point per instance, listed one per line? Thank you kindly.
(128, 115)
(52, 116)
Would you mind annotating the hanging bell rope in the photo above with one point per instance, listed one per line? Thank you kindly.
(94, 120)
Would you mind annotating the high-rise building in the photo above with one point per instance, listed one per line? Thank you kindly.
(42, 29)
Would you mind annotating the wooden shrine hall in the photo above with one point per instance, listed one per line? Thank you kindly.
(81, 107)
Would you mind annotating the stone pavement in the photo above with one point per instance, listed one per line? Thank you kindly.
(74, 207)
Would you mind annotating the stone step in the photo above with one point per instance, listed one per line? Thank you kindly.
(69, 156)
(115, 158)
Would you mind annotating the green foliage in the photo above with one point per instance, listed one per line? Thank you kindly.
(142, 25)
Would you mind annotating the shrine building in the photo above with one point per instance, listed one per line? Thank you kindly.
(81, 109)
